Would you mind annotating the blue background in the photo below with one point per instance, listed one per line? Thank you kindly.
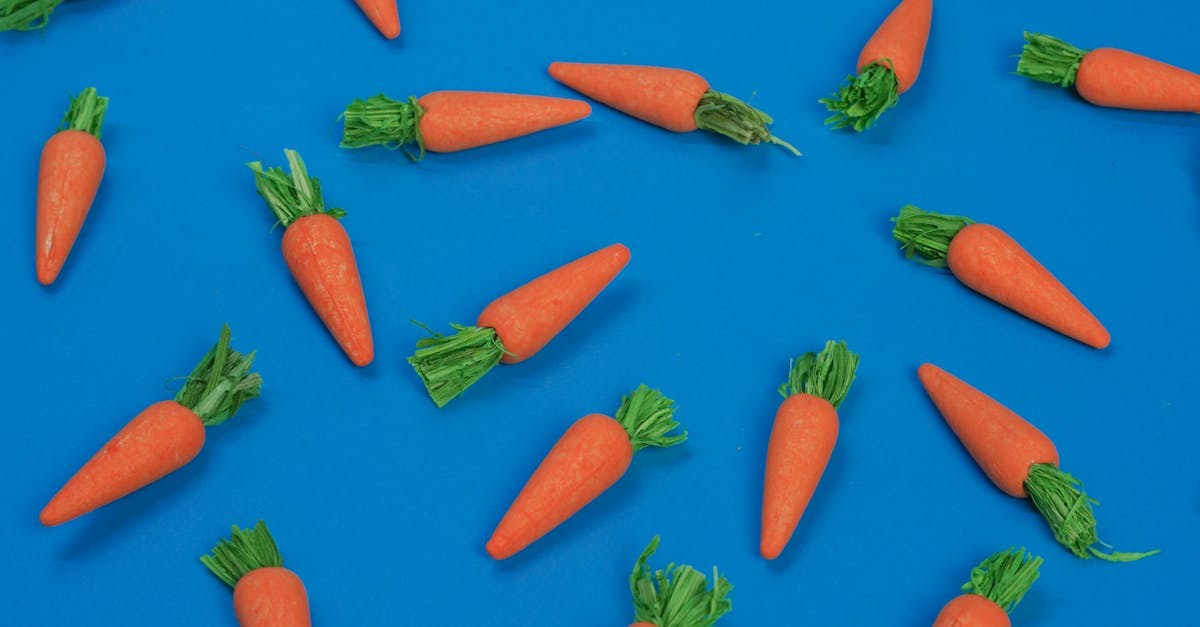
(742, 258)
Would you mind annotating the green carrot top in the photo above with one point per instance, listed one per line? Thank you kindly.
(827, 374)
(448, 365)
(246, 550)
(220, 383)
(26, 14)
(1049, 60)
(291, 197)
(724, 114)
(379, 120)
(86, 112)
(685, 601)
(1004, 578)
(925, 236)
(860, 102)
(648, 416)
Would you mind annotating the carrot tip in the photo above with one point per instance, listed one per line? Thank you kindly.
(680, 590)
(860, 103)
(1049, 60)
(925, 236)
(448, 365)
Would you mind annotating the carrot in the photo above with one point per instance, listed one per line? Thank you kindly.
(677, 100)
(68, 177)
(449, 121)
(589, 458)
(265, 594)
(162, 438)
(317, 250)
(515, 326)
(987, 260)
(887, 67)
(1020, 460)
(26, 14)
(1110, 77)
(676, 597)
(383, 14)
(997, 585)
(802, 439)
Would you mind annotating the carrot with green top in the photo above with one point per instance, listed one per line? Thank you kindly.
(317, 250)
(25, 15)
(1110, 77)
(1020, 460)
(587, 460)
(162, 438)
(802, 439)
(265, 594)
(515, 326)
(670, 98)
(450, 121)
(887, 67)
(989, 261)
(676, 597)
(997, 585)
(383, 14)
(69, 175)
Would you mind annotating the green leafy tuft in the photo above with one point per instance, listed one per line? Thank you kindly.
(291, 197)
(450, 364)
(827, 374)
(860, 103)
(1049, 60)
(247, 550)
(1068, 510)
(685, 601)
(381, 121)
(724, 114)
(1004, 578)
(648, 416)
(925, 236)
(26, 14)
(86, 113)
(220, 383)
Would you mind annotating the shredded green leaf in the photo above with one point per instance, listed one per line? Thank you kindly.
(648, 416)
(827, 374)
(247, 550)
(1004, 578)
(925, 236)
(220, 383)
(685, 601)
(381, 121)
(859, 103)
(728, 116)
(291, 197)
(1049, 60)
(1068, 510)
(25, 15)
(449, 364)
(86, 113)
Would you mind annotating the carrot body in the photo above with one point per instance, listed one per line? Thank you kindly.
(900, 42)
(802, 441)
(528, 317)
(271, 597)
(1116, 78)
(971, 610)
(72, 165)
(161, 439)
(458, 120)
(990, 262)
(383, 14)
(665, 97)
(318, 252)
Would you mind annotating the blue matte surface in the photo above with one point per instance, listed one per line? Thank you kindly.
(742, 258)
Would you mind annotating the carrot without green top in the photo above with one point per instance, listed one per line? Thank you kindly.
(317, 250)
(802, 439)
(1110, 77)
(677, 100)
(449, 121)
(887, 67)
(24, 15)
(588, 459)
(383, 14)
(987, 260)
(71, 168)
(997, 585)
(265, 594)
(676, 597)
(162, 438)
(515, 326)
(1020, 460)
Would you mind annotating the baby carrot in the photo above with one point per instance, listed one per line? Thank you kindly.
(997, 585)
(265, 594)
(676, 597)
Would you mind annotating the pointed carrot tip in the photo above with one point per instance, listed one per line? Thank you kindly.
(49, 518)
(769, 553)
(498, 550)
(47, 271)
(927, 371)
(1101, 339)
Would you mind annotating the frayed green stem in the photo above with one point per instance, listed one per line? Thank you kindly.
(1068, 510)
(733, 118)
(220, 383)
(26, 15)
(648, 416)
(246, 550)
(685, 601)
(859, 103)
(1049, 60)
(827, 374)
(86, 113)
(381, 121)
(925, 236)
(1004, 578)
(450, 364)
(291, 197)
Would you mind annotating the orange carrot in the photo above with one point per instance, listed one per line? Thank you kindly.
(887, 67)
(588, 459)
(997, 585)
(676, 597)
(317, 250)
(162, 438)
(383, 14)
(1110, 77)
(677, 100)
(515, 326)
(802, 439)
(265, 594)
(449, 121)
(22, 15)
(68, 177)
(987, 260)
(1020, 460)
